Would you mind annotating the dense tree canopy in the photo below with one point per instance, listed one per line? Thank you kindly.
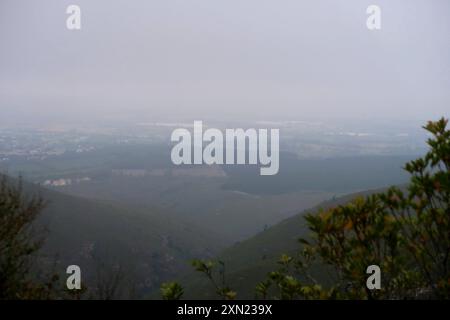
(19, 243)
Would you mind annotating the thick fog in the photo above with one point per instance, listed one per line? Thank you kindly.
(251, 59)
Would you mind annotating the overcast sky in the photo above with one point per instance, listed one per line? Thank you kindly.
(256, 59)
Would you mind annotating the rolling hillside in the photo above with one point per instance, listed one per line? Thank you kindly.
(149, 246)
(249, 261)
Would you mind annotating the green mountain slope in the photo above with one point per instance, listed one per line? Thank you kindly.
(249, 261)
(149, 246)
